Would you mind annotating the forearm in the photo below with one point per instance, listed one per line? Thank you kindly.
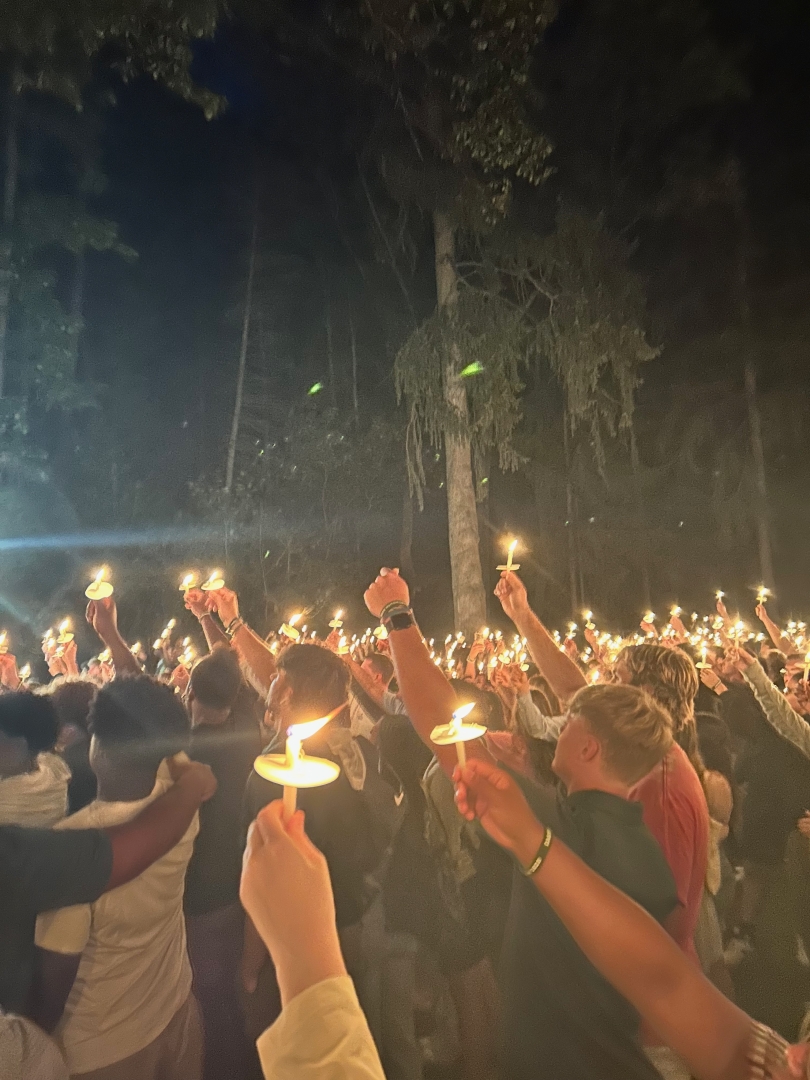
(782, 643)
(642, 962)
(778, 712)
(428, 697)
(564, 677)
(156, 830)
(214, 634)
(122, 656)
(256, 655)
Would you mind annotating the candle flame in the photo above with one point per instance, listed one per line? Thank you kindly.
(136, 648)
(293, 619)
(676, 611)
(64, 626)
(25, 672)
(187, 582)
(301, 732)
(462, 711)
(649, 617)
(719, 594)
(338, 614)
(512, 547)
(100, 576)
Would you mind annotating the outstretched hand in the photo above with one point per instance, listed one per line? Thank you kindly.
(196, 602)
(492, 796)
(102, 615)
(287, 892)
(512, 594)
(226, 604)
(387, 587)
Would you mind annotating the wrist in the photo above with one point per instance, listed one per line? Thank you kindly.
(528, 843)
(304, 967)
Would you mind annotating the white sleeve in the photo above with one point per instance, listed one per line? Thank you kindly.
(536, 725)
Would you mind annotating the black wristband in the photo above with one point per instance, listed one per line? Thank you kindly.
(540, 857)
(395, 607)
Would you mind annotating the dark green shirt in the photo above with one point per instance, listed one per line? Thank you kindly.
(561, 1018)
(41, 870)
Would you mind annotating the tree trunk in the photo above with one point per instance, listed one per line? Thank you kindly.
(9, 204)
(641, 522)
(744, 259)
(355, 395)
(570, 509)
(243, 350)
(330, 354)
(406, 539)
(758, 453)
(469, 599)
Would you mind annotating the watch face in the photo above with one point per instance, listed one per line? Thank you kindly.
(401, 621)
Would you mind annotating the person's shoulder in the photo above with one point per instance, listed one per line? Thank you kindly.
(55, 766)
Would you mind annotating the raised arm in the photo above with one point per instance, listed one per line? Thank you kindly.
(428, 697)
(620, 939)
(564, 677)
(196, 602)
(778, 711)
(253, 651)
(780, 642)
(102, 615)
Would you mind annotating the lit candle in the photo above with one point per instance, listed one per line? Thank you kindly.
(99, 588)
(3, 643)
(719, 594)
(807, 667)
(675, 612)
(64, 632)
(762, 594)
(457, 733)
(294, 769)
(703, 651)
(337, 622)
(588, 617)
(105, 657)
(189, 581)
(25, 672)
(215, 582)
(510, 566)
(288, 628)
(649, 617)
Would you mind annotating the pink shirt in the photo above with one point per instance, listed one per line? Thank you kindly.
(676, 814)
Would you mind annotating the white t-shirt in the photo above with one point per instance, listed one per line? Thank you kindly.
(36, 799)
(134, 973)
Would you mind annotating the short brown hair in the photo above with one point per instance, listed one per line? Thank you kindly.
(319, 679)
(383, 665)
(668, 675)
(635, 732)
(217, 678)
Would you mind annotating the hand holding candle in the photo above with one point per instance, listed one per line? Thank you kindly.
(214, 583)
(510, 566)
(99, 588)
(294, 768)
(457, 733)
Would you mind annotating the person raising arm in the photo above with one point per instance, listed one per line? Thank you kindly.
(428, 697)
(102, 615)
(252, 650)
(196, 602)
(563, 675)
(717, 1039)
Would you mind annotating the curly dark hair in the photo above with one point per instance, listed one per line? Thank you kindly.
(141, 719)
(28, 716)
(72, 698)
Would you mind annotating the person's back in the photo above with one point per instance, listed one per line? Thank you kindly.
(33, 779)
(128, 1008)
(675, 812)
(134, 972)
(559, 1015)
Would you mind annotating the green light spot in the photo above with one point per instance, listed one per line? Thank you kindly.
(475, 368)
(315, 389)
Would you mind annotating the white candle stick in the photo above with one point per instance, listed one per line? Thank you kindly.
(64, 632)
(3, 643)
(510, 566)
(457, 733)
(294, 769)
(99, 588)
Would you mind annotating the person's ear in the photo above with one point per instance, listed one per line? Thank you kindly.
(591, 749)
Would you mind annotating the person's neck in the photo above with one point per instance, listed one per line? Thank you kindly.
(202, 716)
(128, 787)
(598, 783)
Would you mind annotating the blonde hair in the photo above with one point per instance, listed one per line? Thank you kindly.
(670, 676)
(633, 729)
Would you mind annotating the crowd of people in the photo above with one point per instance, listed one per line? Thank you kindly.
(569, 897)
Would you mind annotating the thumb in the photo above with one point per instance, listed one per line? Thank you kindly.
(269, 822)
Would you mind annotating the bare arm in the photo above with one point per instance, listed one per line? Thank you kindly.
(784, 644)
(564, 677)
(54, 978)
(253, 651)
(102, 615)
(622, 941)
(369, 685)
(428, 697)
(160, 825)
(196, 602)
